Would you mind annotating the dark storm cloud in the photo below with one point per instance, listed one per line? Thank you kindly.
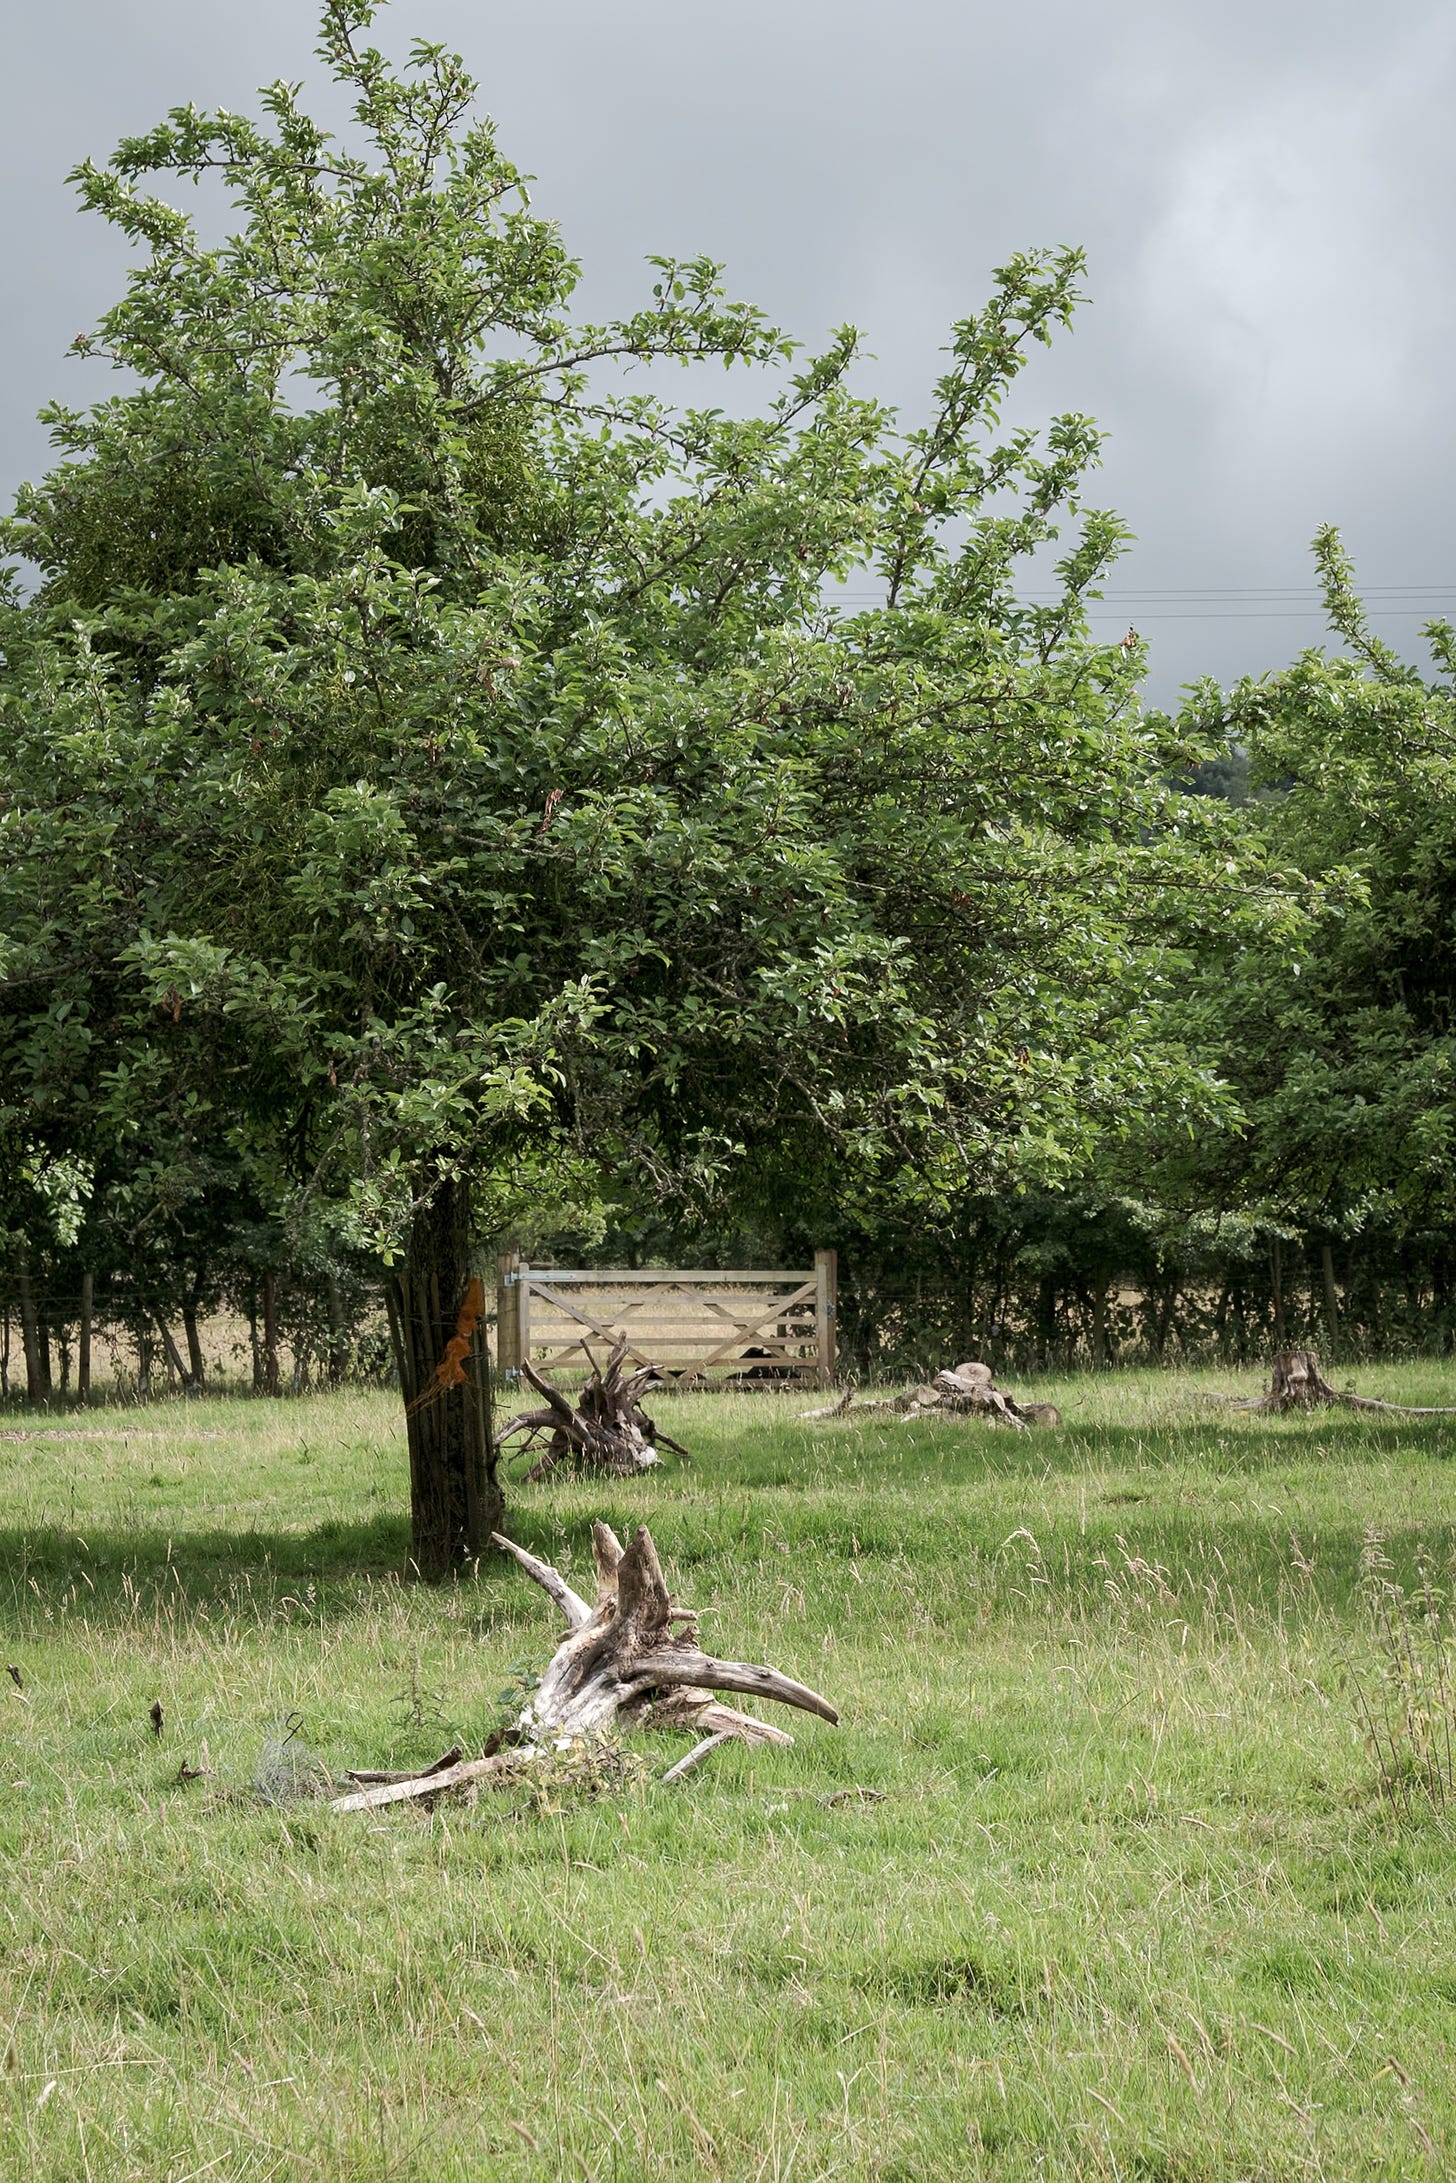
(1264, 192)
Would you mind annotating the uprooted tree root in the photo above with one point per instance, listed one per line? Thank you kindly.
(968, 1391)
(1297, 1383)
(630, 1661)
(607, 1431)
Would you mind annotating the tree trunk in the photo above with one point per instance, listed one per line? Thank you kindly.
(1297, 1383)
(1099, 1326)
(5, 1357)
(1332, 1301)
(253, 1343)
(1276, 1283)
(338, 1340)
(176, 1369)
(1363, 1281)
(455, 1497)
(1241, 1323)
(270, 1332)
(1167, 1311)
(35, 1379)
(1220, 1321)
(144, 1364)
(990, 1333)
(1046, 1309)
(83, 1354)
(196, 1362)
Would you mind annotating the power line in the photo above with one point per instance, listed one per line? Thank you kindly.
(1216, 603)
(1237, 591)
(1257, 614)
(1389, 590)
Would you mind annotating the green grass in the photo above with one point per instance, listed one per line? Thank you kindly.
(1127, 1902)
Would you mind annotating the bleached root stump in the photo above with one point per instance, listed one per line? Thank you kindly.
(1297, 1383)
(631, 1660)
(969, 1390)
(608, 1430)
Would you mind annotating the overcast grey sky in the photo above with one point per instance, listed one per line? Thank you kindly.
(1265, 192)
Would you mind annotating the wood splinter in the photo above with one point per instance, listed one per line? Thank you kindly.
(631, 1659)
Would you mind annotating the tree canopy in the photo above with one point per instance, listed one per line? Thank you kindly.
(433, 756)
(1345, 1071)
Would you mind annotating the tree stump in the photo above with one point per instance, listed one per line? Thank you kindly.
(607, 1431)
(632, 1659)
(1297, 1383)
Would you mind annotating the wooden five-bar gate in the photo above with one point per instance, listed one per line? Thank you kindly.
(695, 1327)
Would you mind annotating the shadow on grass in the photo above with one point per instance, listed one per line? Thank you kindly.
(1146, 1517)
(858, 1454)
(112, 1575)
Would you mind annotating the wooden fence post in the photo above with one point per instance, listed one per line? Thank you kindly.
(522, 1294)
(508, 1318)
(826, 1302)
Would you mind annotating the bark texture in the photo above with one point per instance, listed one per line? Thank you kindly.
(1297, 1383)
(455, 1499)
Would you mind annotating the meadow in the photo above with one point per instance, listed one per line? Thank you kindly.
(1097, 1878)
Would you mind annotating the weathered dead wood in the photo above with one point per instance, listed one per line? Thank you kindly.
(628, 1651)
(699, 1711)
(861, 1404)
(504, 1766)
(632, 1660)
(696, 1756)
(969, 1390)
(367, 1776)
(1296, 1382)
(607, 1431)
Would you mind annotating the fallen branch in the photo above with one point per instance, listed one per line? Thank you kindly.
(696, 1756)
(968, 1390)
(415, 1786)
(369, 1774)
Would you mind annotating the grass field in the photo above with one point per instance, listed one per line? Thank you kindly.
(1122, 1897)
